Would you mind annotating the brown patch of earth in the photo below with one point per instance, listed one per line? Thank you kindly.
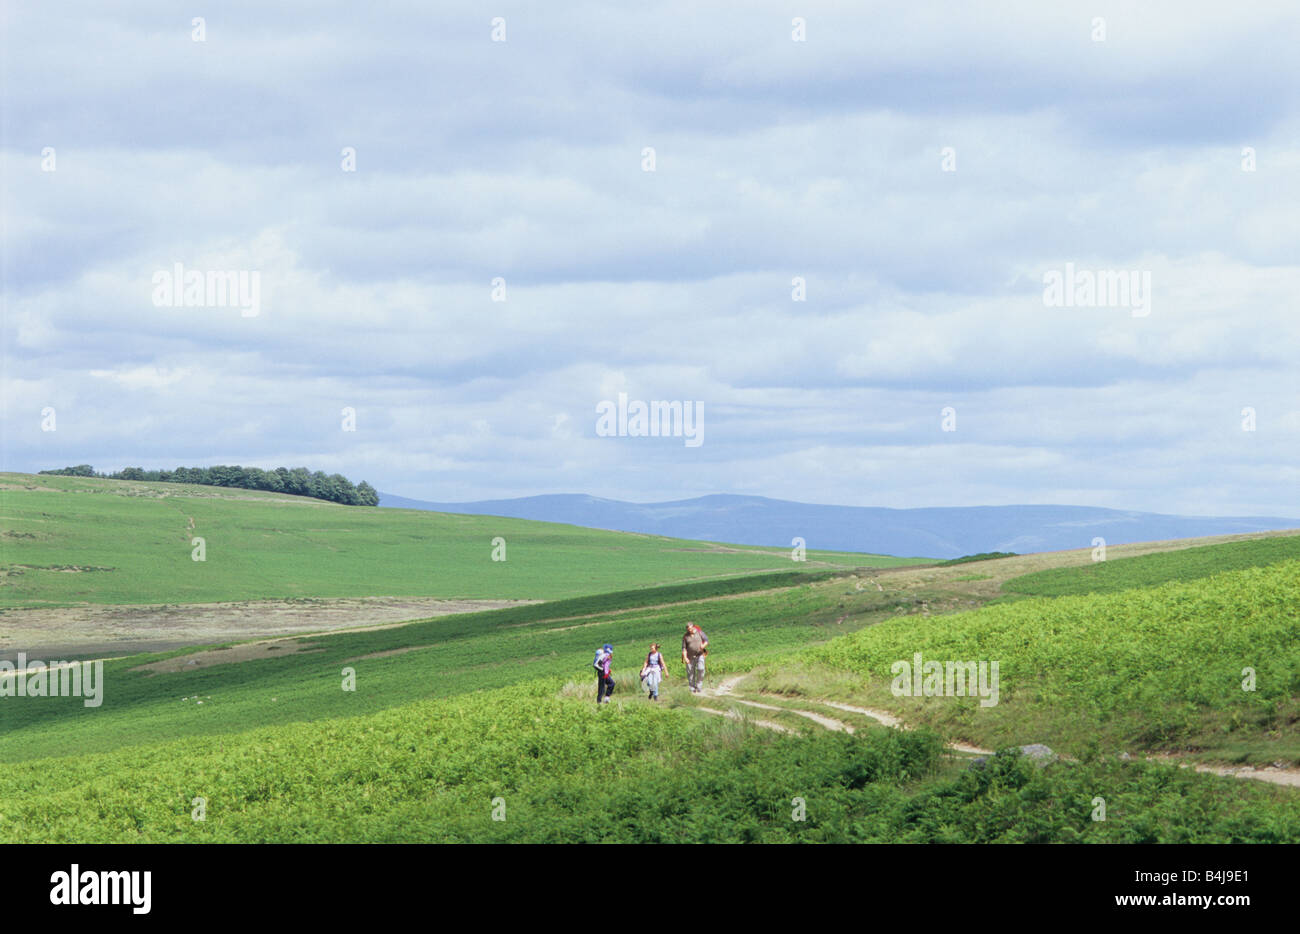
(100, 631)
(62, 568)
(248, 652)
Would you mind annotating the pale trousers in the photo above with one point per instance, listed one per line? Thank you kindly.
(695, 673)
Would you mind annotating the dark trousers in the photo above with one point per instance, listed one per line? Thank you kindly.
(604, 686)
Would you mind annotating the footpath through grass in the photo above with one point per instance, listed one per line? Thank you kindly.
(1211, 665)
(455, 718)
(553, 769)
(441, 657)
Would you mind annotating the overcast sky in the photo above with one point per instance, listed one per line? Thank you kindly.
(922, 167)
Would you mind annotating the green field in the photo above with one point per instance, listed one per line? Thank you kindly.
(433, 659)
(67, 540)
(456, 717)
(1148, 570)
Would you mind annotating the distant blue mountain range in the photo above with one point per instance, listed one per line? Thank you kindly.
(938, 532)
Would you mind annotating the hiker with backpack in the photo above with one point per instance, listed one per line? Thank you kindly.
(694, 648)
(604, 683)
(653, 670)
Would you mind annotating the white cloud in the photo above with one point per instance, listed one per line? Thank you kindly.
(775, 159)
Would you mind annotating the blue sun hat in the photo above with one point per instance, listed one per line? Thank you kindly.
(608, 647)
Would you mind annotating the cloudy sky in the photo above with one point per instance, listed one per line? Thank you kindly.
(920, 167)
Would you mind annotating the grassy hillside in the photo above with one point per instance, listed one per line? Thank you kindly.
(437, 658)
(1159, 668)
(499, 705)
(67, 540)
(451, 713)
(1149, 570)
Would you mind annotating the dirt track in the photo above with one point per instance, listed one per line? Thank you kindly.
(726, 689)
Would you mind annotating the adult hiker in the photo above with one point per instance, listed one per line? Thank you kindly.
(694, 648)
(604, 683)
(653, 670)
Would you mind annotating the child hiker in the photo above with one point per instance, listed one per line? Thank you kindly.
(653, 671)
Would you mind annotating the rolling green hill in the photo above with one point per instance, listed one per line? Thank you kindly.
(68, 540)
(494, 710)
(456, 717)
